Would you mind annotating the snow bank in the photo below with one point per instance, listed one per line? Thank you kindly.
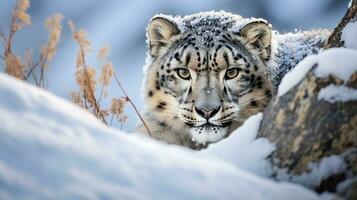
(50, 149)
(243, 149)
(340, 62)
(333, 93)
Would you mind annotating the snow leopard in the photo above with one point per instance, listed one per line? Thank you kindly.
(206, 73)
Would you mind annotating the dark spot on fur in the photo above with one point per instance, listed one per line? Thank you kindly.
(151, 93)
(253, 103)
(161, 105)
(177, 57)
(260, 85)
(225, 56)
(157, 85)
(188, 58)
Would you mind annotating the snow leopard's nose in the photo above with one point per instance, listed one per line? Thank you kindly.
(207, 113)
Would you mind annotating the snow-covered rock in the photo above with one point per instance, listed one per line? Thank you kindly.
(349, 35)
(339, 62)
(50, 149)
(317, 171)
(333, 93)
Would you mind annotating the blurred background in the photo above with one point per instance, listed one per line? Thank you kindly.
(121, 25)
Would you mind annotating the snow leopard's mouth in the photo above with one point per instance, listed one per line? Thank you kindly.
(209, 125)
(208, 133)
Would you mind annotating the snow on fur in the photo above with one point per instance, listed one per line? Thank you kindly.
(291, 48)
(51, 149)
(287, 49)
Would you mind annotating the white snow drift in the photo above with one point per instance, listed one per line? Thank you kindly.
(50, 149)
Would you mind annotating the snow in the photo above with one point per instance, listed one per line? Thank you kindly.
(245, 145)
(339, 62)
(50, 149)
(350, 4)
(294, 77)
(317, 171)
(349, 35)
(334, 93)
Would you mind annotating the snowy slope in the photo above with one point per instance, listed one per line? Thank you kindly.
(50, 149)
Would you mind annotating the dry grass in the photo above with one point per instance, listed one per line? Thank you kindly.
(25, 68)
(87, 81)
(92, 88)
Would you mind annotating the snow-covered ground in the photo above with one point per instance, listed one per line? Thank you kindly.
(50, 149)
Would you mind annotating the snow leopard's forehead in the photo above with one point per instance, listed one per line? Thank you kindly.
(208, 31)
(209, 27)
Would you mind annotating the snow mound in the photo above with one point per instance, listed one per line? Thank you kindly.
(339, 62)
(333, 93)
(243, 149)
(50, 149)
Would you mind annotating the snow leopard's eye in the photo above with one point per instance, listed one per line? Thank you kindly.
(183, 73)
(232, 73)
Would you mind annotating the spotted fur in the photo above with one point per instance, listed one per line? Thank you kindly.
(209, 48)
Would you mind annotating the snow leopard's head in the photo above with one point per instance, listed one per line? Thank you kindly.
(206, 73)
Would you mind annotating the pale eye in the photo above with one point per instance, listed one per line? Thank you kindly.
(232, 73)
(183, 73)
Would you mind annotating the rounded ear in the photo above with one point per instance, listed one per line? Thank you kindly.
(258, 34)
(159, 32)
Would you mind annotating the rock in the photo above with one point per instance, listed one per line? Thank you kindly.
(306, 129)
